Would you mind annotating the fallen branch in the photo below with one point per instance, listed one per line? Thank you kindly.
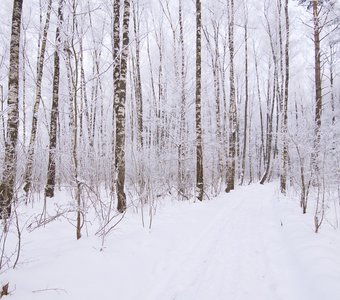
(49, 290)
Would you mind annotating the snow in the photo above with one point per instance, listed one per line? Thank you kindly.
(249, 244)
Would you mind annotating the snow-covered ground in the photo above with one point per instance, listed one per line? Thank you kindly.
(251, 244)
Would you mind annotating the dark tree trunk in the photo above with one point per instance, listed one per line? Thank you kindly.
(51, 171)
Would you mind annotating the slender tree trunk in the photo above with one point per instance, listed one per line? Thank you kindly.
(138, 99)
(24, 118)
(199, 150)
(245, 106)
(51, 170)
(318, 92)
(73, 80)
(261, 153)
(159, 100)
(40, 70)
(116, 75)
(138, 88)
(10, 165)
(182, 132)
(270, 115)
(215, 64)
(331, 81)
(2, 122)
(232, 106)
(271, 101)
(153, 92)
(284, 112)
(120, 113)
(250, 158)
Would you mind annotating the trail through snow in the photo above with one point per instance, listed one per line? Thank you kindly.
(247, 245)
(238, 255)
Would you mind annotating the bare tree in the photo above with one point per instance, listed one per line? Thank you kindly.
(51, 170)
(10, 165)
(232, 103)
(183, 102)
(120, 99)
(40, 70)
(199, 148)
(272, 101)
(318, 88)
(138, 81)
(245, 130)
(284, 110)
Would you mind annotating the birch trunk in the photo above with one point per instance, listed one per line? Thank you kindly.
(232, 106)
(243, 167)
(199, 150)
(116, 74)
(284, 113)
(182, 132)
(120, 96)
(318, 92)
(40, 70)
(51, 170)
(10, 165)
(138, 88)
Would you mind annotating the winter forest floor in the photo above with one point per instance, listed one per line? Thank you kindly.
(251, 244)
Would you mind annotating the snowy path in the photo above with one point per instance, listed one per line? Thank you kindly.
(237, 256)
(246, 245)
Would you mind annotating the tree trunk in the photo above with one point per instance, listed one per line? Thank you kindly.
(73, 80)
(40, 69)
(284, 112)
(120, 96)
(51, 170)
(271, 104)
(116, 75)
(331, 81)
(318, 92)
(138, 88)
(232, 106)
(245, 106)
(261, 152)
(182, 132)
(270, 115)
(199, 150)
(10, 164)
(2, 117)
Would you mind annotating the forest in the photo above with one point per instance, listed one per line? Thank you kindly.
(117, 114)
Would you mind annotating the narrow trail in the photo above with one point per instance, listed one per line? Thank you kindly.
(239, 255)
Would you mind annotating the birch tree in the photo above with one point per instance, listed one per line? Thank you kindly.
(284, 110)
(232, 103)
(199, 148)
(119, 105)
(40, 70)
(51, 171)
(318, 87)
(244, 151)
(7, 184)
(183, 104)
